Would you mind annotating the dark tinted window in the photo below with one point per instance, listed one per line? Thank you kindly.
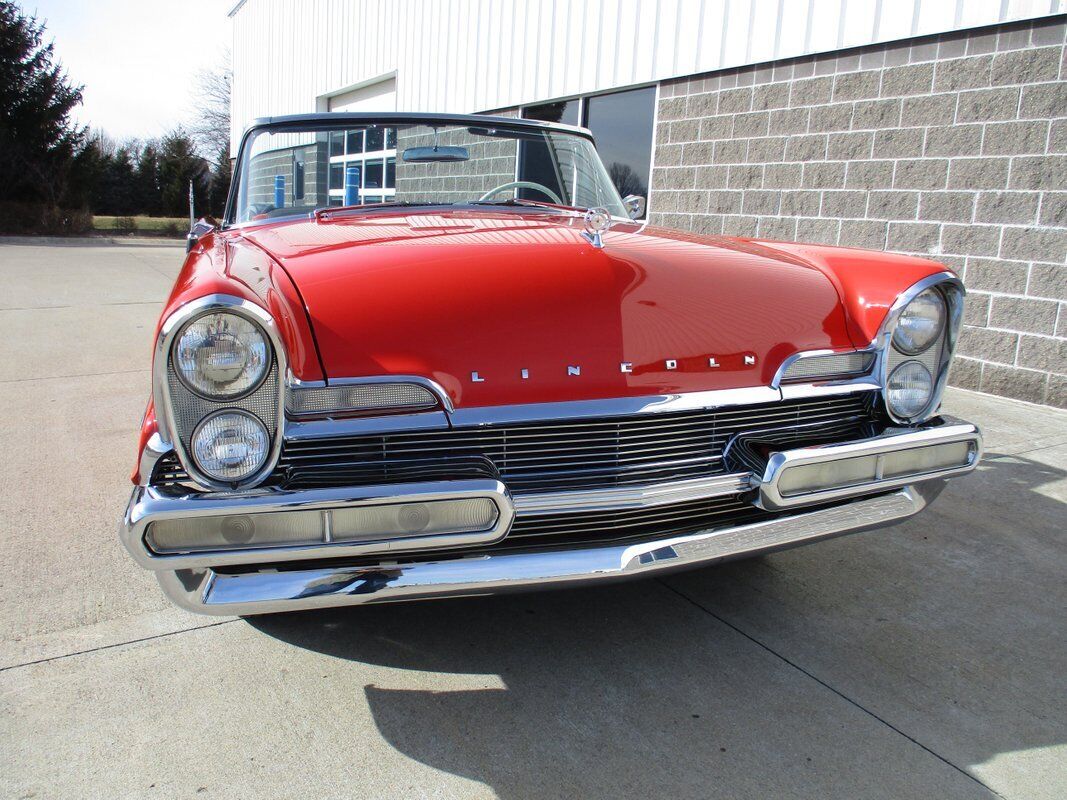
(390, 173)
(337, 176)
(622, 126)
(375, 139)
(565, 111)
(355, 142)
(373, 173)
(337, 143)
(390, 138)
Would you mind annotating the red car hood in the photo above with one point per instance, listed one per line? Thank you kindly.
(502, 308)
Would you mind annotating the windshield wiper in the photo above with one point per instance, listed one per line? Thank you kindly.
(325, 213)
(518, 201)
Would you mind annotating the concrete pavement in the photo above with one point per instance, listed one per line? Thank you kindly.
(926, 660)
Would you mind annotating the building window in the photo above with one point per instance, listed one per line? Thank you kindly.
(337, 176)
(337, 143)
(373, 175)
(621, 123)
(566, 111)
(373, 150)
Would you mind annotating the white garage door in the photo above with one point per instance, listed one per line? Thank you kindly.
(380, 96)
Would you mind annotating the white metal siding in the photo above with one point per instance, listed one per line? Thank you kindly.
(476, 55)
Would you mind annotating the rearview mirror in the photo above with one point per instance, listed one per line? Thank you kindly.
(635, 205)
(429, 155)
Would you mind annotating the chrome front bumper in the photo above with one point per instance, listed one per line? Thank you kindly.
(206, 591)
(230, 582)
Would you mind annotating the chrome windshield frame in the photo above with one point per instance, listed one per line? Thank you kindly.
(342, 120)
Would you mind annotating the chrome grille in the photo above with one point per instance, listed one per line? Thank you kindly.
(564, 454)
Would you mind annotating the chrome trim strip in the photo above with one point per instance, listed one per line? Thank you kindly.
(149, 504)
(802, 391)
(208, 592)
(161, 387)
(624, 497)
(363, 426)
(891, 440)
(619, 406)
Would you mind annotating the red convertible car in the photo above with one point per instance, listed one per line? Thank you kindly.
(438, 355)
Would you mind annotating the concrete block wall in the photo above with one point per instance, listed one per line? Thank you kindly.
(951, 147)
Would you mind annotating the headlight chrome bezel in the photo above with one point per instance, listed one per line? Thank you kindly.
(162, 394)
(951, 292)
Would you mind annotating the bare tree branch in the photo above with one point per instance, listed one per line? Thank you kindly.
(211, 104)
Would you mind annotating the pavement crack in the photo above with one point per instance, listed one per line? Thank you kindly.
(826, 685)
(67, 377)
(113, 645)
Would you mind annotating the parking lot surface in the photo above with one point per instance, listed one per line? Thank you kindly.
(924, 660)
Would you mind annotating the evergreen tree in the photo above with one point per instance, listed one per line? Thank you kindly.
(221, 174)
(38, 141)
(178, 165)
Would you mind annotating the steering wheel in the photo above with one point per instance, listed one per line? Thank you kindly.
(537, 187)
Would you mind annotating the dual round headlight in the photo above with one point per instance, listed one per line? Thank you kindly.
(221, 357)
(911, 386)
(230, 445)
(920, 323)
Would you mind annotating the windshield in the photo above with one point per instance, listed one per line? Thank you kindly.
(290, 172)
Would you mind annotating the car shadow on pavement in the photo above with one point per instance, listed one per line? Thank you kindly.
(762, 678)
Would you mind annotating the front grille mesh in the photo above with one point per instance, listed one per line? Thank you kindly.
(564, 454)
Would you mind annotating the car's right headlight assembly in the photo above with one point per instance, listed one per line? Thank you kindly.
(221, 356)
(918, 346)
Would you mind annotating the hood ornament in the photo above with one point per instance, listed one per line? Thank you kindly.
(597, 221)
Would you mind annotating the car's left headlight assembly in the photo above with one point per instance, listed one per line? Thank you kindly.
(918, 342)
(220, 355)
(218, 384)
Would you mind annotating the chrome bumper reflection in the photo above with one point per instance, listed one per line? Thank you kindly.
(209, 592)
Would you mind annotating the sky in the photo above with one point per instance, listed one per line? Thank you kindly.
(138, 59)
